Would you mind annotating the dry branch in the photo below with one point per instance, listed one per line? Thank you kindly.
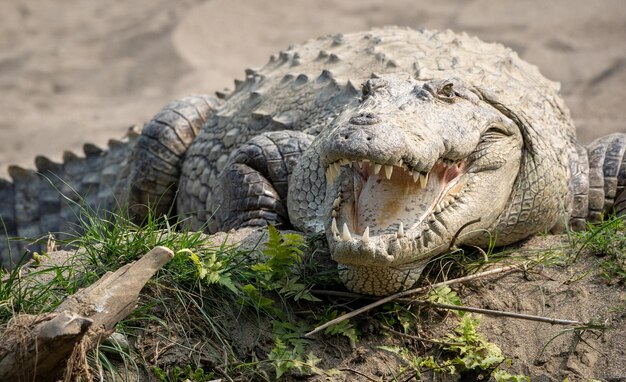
(409, 293)
(37, 348)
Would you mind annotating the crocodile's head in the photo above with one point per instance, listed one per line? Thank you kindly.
(413, 169)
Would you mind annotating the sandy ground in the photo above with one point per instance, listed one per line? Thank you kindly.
(76, 71)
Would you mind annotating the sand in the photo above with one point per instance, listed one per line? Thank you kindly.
(81, 71)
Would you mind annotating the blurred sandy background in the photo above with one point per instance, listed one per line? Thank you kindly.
(75, 71)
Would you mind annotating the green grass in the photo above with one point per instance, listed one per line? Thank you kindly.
(607, 242)
(189, 312)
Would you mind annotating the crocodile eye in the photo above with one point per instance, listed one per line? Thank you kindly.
(446, 91)
(372, 85)
(443, 90)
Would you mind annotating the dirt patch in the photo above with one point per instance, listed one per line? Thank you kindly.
(541, 351)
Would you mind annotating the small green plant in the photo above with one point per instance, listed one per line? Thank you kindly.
(472, 354)
(289, 359)
(344, 328)
(276, 271)
(471, 350)
(210, 270)
(466, 353)
(445, 295)
(289, 352)
(606, 241)
(396, 315)
(261, 281)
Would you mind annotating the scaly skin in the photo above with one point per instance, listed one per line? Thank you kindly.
(449, 141)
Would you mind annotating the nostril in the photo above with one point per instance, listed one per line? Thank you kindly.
(364, 118)
(369, 138)
(346, 136)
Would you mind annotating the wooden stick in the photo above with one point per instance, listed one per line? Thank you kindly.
(409, 293)
(37, 348)
(499, 313)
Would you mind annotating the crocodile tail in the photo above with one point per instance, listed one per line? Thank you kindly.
(51, 199)
(140, 171)
(602, 181)
(8, 225)
(157, 159)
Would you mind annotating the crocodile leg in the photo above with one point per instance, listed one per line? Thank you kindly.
(252, 188)
(158, 154)
(607, 177)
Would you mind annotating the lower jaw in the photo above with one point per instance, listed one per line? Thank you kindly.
(378, 281)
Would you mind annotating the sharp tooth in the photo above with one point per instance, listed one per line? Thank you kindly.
(416, 176)
(337, 202)
(366, 235)
(334, 228)
(400, 163)
(345, 234)
(360, 164)
(377, 168)
(437, 208)
(337, 167)
(400, 233)
(423, 180)
(334, 213)
(388, 171)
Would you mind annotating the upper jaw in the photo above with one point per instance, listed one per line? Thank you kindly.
(362, 195)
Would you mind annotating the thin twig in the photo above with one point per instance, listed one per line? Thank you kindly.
(417, 338)
(358, 373)
(458, 232)
(499, 313)
(409, 293)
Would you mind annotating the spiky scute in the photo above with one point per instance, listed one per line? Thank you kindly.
(49, 200)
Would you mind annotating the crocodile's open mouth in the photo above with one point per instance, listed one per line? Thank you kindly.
(375, 201)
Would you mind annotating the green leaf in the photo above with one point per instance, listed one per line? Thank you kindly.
(445, 295)
(344, 328)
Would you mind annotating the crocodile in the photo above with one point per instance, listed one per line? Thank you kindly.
(397, 143)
